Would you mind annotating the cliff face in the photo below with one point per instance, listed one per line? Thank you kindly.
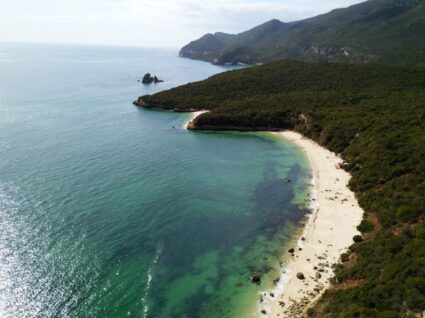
(377, 30)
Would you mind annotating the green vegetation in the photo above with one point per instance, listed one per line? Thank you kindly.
(374, 116)
(365, 226)
(357, 238)
(376, 30)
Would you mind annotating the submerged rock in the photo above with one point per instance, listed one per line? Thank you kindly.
(256, 279)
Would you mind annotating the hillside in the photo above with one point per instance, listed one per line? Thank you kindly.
(374, 116)
(377, 30)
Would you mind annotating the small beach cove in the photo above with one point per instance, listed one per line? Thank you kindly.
(326, 233)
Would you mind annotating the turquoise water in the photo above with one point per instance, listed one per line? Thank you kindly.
(106, 211)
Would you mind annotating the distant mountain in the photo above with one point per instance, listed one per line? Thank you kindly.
(391, 31)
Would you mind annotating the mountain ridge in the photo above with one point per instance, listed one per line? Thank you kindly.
(371, 31)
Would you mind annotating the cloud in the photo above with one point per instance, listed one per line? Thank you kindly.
(145, 22)
(228, 15)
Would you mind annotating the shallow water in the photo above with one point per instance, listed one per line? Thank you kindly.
(107, 211)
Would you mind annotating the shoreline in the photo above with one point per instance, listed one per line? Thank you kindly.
(194, 115)
(328, 233)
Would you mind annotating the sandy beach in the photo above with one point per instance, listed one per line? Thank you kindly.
(194, 115)
(328, 233)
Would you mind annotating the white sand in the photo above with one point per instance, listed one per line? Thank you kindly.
(327, 235)
(194, 115)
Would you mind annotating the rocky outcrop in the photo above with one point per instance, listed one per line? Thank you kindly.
(150, 105)
(149, 79)
(196, 126)
(159, 106)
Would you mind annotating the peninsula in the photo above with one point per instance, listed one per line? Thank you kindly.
(373, 117)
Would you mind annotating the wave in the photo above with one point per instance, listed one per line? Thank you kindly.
(151, 270)
(286, 274)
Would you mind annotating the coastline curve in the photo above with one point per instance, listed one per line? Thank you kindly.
(328, 232)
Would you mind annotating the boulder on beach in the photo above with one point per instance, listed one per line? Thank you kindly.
(357, 238)
(300, 276)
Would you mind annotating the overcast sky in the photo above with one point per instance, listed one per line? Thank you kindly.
(151, 23)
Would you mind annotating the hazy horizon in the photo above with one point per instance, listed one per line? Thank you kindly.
(141, 23)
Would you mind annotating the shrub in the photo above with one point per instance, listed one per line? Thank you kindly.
(365, 226)
(406, 214)
(345, 257)
(311, 312)
(357, 238)
(388, 314)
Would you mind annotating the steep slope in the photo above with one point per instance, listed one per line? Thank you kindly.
(239, 46)
(377, 30)
(374, 116)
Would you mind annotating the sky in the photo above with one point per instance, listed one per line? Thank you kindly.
(148, 23)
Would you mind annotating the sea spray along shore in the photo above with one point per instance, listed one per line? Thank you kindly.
(328, 232)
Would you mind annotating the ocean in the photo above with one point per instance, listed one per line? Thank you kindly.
(106, 210)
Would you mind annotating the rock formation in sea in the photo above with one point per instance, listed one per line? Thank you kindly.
(149, 79)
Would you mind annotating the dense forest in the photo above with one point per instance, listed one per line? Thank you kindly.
(390, 31)
(374, 116)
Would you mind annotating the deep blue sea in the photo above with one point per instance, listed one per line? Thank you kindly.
(107, 211)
